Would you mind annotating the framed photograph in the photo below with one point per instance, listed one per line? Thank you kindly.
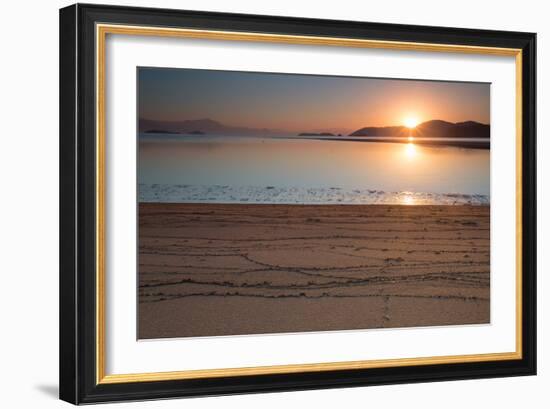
(257, 203)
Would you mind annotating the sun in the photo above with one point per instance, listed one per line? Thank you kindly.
(411, 122)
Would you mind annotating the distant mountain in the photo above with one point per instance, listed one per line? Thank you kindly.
(382, 131)
(202, 126)
(431, 129)
(160, 131)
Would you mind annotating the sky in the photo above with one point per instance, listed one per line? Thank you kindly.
(304, 103)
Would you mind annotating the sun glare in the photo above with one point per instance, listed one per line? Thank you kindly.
(410, 150)
(411, 122)
(407, 200)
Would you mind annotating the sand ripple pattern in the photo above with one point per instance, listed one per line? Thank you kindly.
(216, 269)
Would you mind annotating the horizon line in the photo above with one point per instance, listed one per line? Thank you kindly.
(302, 130)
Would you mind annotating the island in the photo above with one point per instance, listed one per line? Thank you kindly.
(162, 131)
(316, 134)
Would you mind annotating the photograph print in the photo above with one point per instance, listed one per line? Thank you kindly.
(285, 203)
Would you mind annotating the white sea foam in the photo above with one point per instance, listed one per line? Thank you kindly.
(297, 195)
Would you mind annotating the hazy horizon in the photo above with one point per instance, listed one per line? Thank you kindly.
(343, 131)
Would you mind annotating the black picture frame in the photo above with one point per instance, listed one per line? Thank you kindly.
(78, 313)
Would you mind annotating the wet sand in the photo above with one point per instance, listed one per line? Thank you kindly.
(229, 269)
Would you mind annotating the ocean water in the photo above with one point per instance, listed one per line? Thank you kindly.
(224, 169)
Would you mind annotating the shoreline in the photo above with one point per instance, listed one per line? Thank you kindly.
(274, 195)
(313, 204)
(464, 143)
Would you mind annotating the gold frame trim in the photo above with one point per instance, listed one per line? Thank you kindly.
(101, 33)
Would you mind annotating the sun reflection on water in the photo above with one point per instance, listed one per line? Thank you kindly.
(410, 150)
(407, 200)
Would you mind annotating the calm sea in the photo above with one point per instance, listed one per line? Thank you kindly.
(227, 169)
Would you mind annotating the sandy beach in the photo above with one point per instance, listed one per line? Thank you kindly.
(229, 269)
